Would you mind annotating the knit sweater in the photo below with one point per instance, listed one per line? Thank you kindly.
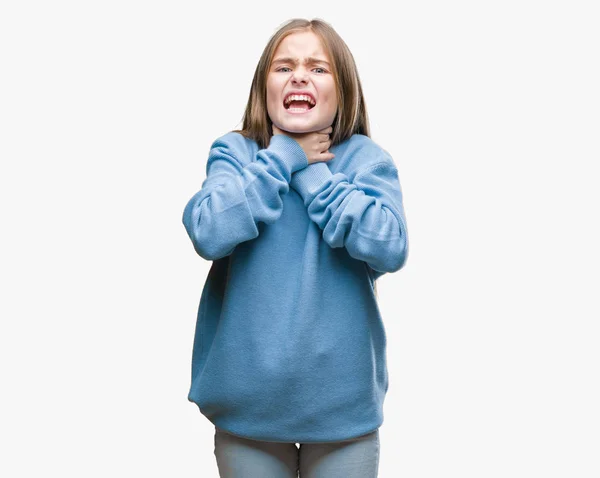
(289, 343)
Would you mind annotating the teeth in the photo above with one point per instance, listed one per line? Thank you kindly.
(299, 98)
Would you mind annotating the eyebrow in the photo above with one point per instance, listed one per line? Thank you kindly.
(310, 59)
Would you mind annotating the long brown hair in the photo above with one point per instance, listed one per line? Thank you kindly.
(351, 116)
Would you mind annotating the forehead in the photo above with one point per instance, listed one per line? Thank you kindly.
(301, 44)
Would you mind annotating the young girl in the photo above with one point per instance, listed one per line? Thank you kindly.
(300, 213)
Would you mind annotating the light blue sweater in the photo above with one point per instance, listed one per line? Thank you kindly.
(289, 344)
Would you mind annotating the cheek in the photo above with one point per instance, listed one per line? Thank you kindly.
(331, 98)
(271, 100)
(331, 102)
(270, 91)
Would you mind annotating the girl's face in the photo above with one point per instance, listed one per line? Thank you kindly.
(300, 65)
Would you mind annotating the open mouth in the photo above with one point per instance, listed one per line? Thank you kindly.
(298, 104)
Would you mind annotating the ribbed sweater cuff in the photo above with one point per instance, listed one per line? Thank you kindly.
(289, 151)
(307, 181)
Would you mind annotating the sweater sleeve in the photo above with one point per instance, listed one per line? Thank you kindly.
(365, 215)
(235, 197)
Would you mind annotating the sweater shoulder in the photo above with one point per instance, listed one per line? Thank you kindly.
(359, 153)
(235, 146)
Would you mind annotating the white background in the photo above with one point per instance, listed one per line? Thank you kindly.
(491, 112)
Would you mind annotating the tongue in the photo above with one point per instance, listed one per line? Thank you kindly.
(300, 104)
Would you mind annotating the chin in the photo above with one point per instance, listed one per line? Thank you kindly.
(299, 128)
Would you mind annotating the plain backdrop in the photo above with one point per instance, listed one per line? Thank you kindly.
(491, 113)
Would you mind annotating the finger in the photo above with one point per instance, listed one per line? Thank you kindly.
(326, 156)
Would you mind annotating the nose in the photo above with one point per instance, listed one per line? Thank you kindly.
(299, 76)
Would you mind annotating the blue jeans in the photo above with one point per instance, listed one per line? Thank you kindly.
(244, 458)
